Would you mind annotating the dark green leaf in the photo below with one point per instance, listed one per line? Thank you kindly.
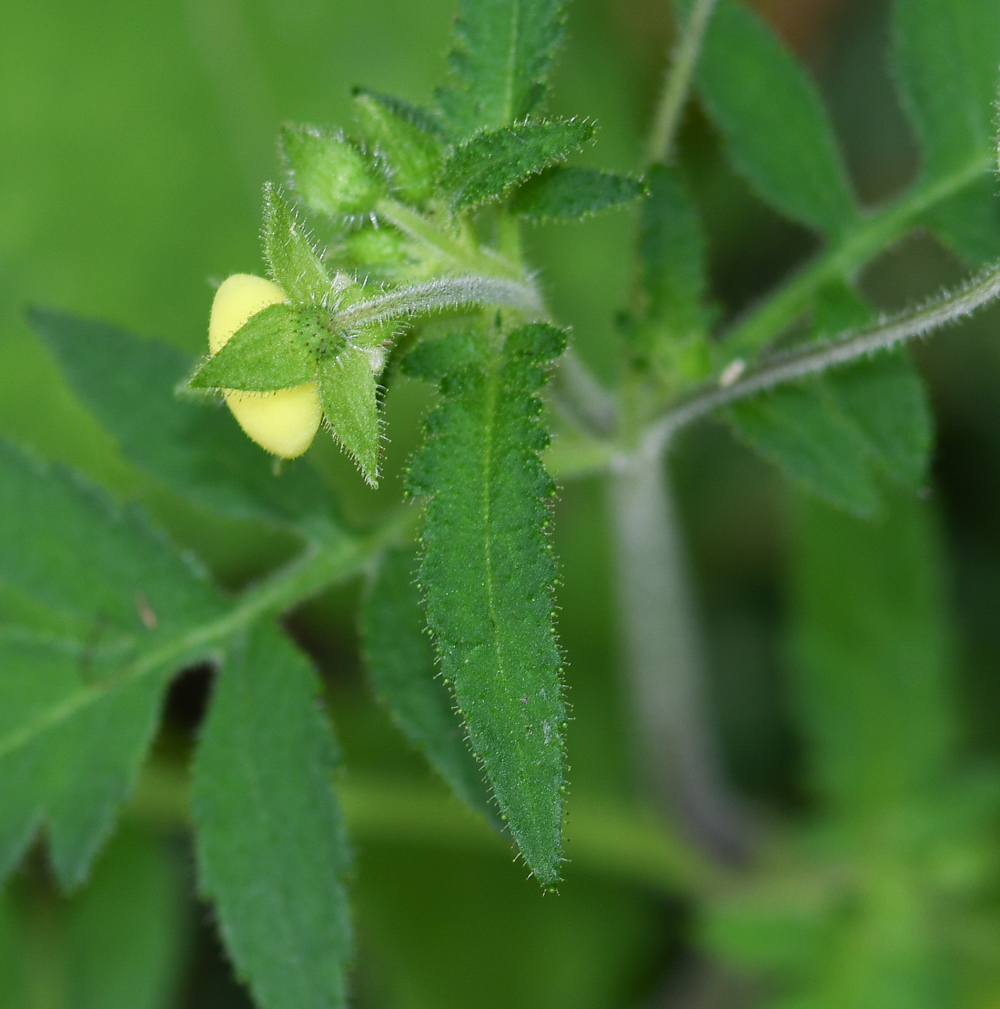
(776, 130)
(872, 653)
(947, 61)
(192, 445)
(268, 352)
(488, 573)
(567, 194)
(969, 222)
(329, 173)
(500, 63)
(412, 153)
(400, 661)
(490, 164)
(349, 396)
(423, 119)
(272, 853)
(293, 263)
(79, 695)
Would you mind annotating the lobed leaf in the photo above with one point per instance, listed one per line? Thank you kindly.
(872, 651)
(947, 63)
(292, 261)
(400, 661)
(776, 131)
(567, 194)
(272, 853)
(349, 396)
(268, 352)
(80, 691)
(192, 445)
(488, 573)
(490, 164)
(500, 63)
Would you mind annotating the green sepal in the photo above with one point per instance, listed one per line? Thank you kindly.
(570, 194)
(331, 175)
(292, 260)
(349, 396)
(400, 661)
(487, 166)
(488, 573)
(500, 63)
(425, 120)
(268, 352)
(412, 154)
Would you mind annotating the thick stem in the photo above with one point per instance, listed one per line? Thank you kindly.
(664, 660)
(678, 82)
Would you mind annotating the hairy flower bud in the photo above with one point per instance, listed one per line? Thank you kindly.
(283, 422)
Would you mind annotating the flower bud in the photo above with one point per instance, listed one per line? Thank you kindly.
(283, 422)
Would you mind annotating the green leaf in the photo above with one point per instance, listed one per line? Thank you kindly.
(330, 174)
(268, 352)
(777, 133)
(349, 396)
(400, 660)
(872, 648)
(567, 194)
(413, 153)
(488, 573)
(291, 258)
(79, 696)
(123, 931)
(490, 164)
(192, 445)
(946, 58)
(969, 222)
(500, 63)
(272, 854)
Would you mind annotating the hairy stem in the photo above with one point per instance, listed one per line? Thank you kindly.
(664, 659)
(814, 358)
(678, 83)
(866, 240)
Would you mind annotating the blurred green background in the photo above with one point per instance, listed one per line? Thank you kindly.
(134, 140)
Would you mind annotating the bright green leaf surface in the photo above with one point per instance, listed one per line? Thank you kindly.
(413, 154)
(500, 63)
(266, 353)
(488, 165)
(776, 130)
(272, 853)
(195, 447)
(488, 573)
(567, 194)
(400, 661)
(290, 255)
(872, 648)
(74, 719)
(947, 61)
(349, 396)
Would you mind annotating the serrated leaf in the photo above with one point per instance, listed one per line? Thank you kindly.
(330, 174)
(500, 63)
(192, 445)
(292, 260)
(269, 835)
(79, 698)
(349, 396)
(872, 649)
(490, 164)
(776, 130)
(266, 353)
(947, 63)
(413, 154)
(488, 573)
(400, 661)
(567, 194)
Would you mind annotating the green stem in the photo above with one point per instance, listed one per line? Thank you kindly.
(857, 246)
(678, 83)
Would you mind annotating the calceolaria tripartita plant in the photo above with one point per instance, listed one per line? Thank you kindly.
(393, 248)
